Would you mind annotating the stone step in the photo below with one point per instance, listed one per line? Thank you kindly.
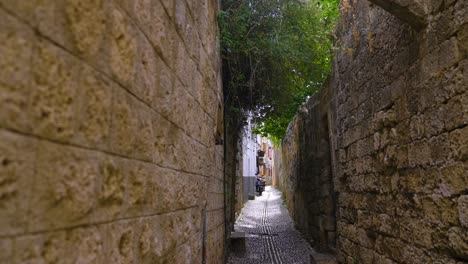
(238, 242)
(322, 258)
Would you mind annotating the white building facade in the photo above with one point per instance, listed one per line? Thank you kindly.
(257, 160)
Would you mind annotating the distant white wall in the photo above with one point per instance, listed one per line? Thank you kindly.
(249, 142)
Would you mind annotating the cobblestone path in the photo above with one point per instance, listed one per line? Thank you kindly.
(270, 233)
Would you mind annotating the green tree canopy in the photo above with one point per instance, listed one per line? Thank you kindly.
(275, 54)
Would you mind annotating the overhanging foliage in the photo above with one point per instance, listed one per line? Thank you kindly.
(275, 54)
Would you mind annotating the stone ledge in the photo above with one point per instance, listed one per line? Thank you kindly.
(413, 12)
(321, 258)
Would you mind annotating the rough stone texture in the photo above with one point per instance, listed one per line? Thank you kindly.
(413, 12)
(308, 186)
(396, 105)
(108, 115)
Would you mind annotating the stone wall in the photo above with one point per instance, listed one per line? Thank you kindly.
(306, 173)
(239, 192)
(108, 116)
(397, 110)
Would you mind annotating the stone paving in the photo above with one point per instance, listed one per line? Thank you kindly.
(270, 233)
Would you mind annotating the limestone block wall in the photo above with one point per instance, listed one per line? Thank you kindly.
(401, 115)
(305, 171)
(398, 114)
(239, 189)
(108, 115)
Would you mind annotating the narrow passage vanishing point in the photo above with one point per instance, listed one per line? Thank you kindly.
(270, 234)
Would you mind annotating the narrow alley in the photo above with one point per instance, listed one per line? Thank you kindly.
(270, 236)
(138, 131)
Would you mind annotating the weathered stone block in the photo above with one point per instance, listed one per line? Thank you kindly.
(65, 192)
(454, 179)
(50, 20)
(6, 253)
(214, 240)
(459, 143)
(214, 219)
(184, 66)
(434, 122)
(165, 136)
(458, 239)
(365, 255)
(384, 119)
(462, 38)
(417, 127)
(86, 245)
(173, 148)
(15, 72)
(457, 115)
(111, 188)
(40, 248)
(25, 10)
(143, 144)
(365, 165)
(379, 259)
(185, 109)
(17, 162)
(388, 225)
(140, 12)
(422, 180)
(409, 205)
(164, 88)
(121, 242)
(80, 245)
(449, 53)
(416, 231)
(403, 106)
(184, 190)
(411, 11)
(413, 254)
(210, 101)
(140, 188)
(463, 210)
(419, 153)
(125, 122)
(189, 252)
(438, 209)
(54, 98)
(348, 246)
(162, 31)
(123, 48)
(146, 71)
(86, 22)
(215, 201)
(163, 234)
(429, 67)
(440, 148)
(390, 247)
(94, 109)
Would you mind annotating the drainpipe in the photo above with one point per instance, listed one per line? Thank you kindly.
(204, 237)
(225, 180)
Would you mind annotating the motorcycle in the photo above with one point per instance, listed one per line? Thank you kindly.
(260, 186)
(260, 189)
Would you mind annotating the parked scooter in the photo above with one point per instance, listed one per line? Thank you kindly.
(260, 185)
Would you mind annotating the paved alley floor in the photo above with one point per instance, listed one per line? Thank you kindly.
(270, 233)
